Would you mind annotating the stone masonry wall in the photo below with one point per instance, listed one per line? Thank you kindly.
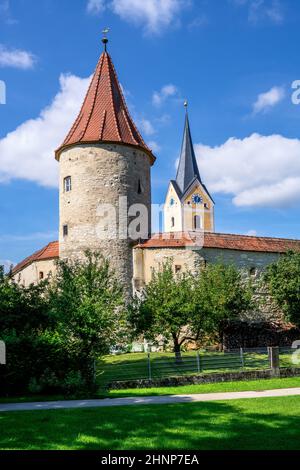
(101, 174)
(252, 264)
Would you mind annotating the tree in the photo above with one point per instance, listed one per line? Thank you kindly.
(87, 301)
(24, 320)
(222, 295)
(182, 307)
(168, 307)
(283, 281)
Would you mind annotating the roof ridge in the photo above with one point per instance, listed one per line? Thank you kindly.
(111, 93)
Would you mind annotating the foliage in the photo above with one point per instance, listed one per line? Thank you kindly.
(183, 307)
(54, 331)
(87, 303)
(222, 295)
(283, 280)
(27, 329)
(166, 307)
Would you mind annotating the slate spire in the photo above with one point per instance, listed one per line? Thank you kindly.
(188, 168)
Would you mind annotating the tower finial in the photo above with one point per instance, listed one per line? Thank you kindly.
(105, 39)
(186, 104)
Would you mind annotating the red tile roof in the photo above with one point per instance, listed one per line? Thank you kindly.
(51, 251)
(182, 240)
(222, 241)
(104, 116)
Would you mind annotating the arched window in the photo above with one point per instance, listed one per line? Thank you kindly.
(67, 184)
(140, 188)
(173, 222)
(197, 222)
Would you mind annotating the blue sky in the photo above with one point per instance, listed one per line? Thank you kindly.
(235, 62)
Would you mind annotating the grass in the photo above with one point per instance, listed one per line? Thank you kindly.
(135, 366)
(238, 386)
(254, 424)
(242, 386)
(31, 398)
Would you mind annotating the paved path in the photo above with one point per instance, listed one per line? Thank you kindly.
(155, 400)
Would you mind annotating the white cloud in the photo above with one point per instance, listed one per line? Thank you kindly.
(6, 264)
(96, 7)
(166, 92)
(252, 233)
(146, 126)
(269, 99)
(262, 10)
(28, 152)
(154, 15)
(256, 171)
(16, 58)
(154, 146)
(5, 13)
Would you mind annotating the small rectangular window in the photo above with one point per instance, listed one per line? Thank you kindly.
(67, 184)
(65, 230)
(177, 268)
(41, 275)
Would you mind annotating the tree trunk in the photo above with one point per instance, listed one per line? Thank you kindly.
(221, 334)
(177, 350)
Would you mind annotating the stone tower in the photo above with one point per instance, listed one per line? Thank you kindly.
(104, 173)
(189, 207)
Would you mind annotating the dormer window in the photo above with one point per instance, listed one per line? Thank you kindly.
(67, 184)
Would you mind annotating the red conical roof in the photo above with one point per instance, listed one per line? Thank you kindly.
(104, 116)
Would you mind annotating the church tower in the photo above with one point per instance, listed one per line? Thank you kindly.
(189, 207)
(104, 167)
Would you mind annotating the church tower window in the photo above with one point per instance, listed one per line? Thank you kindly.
(173, 222)
(197, 222)
(65, 230)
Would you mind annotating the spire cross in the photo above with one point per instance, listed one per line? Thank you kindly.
(104, 39)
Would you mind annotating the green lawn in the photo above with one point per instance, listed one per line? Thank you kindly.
(257, 424)
(242, 386)
(253, 385)
(136, 366)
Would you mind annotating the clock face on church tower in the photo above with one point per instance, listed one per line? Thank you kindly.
(197, 199)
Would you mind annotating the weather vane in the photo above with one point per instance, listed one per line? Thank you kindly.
(104, 39)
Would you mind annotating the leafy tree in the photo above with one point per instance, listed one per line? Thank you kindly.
(168, 307)
(222, 295)
(283, 280)
(24, 319)
(182, 307)
(87, 301)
